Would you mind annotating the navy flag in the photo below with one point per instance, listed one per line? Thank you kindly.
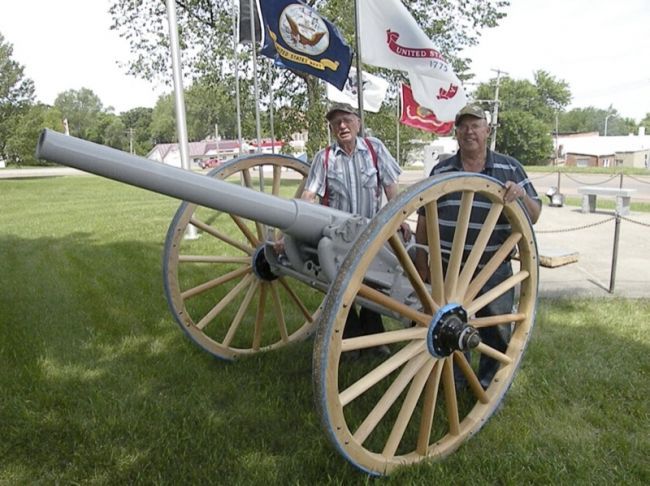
(297, 37)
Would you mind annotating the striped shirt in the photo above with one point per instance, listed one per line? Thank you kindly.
(351, 181)
(498, 166)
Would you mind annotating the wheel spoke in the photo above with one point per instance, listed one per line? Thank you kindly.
(472, 379)
(435, 254)
(478, 249)
(259, 317)
(305, 312)
(230, 296)
(428, 409)
(282, 325)
(189, 293)
(253, 240)
(412, 274)
(392, 304)
(301, 188)
(388, 398)
(383, 370)
(458, 245)
(479, 322)
(493, 353)
(451, 402)
(246, 179)
(488, 270)
(223, 237)
(277, 179)
(212, 259)
(406, 412)
(234, 326)
(383, 338)
(495, 292)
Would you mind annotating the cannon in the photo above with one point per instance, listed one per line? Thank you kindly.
(234, 296)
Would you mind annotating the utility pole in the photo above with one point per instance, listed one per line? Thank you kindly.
(495, 112)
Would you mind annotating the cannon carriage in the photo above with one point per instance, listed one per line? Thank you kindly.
(233, 295)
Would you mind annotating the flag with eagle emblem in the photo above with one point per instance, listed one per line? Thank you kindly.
(297, 37)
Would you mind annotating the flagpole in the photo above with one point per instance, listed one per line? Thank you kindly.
(359, 71)
(236, 51)
(270, 73)
(181, 123)
(258, 127)
(255, 83)
(399, 96)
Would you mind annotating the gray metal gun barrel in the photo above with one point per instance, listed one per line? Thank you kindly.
(300, 219)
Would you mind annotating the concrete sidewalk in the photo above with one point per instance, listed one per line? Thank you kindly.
(592, 236)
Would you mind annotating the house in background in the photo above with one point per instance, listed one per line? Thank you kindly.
(592, 150)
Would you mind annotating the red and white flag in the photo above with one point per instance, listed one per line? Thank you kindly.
(391, 38)
(414, 115)
(374, 91)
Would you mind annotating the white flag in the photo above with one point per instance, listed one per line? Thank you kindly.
(374, 91)
(391, 38)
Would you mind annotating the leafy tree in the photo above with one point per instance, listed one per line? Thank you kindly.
(592, 119)
(207, 28)
(82, 109)
(26, 128)
(527, 113)
(16, 96)
(646, 123)
(137, 123)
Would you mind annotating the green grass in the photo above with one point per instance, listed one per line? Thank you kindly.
(100, 386)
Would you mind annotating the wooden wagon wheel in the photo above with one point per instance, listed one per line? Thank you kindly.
(219, 286)
(382, 412)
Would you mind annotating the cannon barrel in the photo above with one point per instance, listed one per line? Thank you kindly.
(303, 220)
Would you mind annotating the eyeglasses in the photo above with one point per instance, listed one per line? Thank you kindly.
(347, 119)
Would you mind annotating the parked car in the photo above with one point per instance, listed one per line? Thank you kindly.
(210, 163)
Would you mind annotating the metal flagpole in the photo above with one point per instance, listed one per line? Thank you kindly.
(399, 99)
(271, 106)
(258, 127)
(236, 51)
(181, 124)
(359, 71)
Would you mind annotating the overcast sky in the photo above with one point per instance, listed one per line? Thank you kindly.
(600, 47)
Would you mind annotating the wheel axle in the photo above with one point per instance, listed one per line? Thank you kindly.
(449, 332)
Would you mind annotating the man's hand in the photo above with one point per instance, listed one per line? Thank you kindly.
(513, 192)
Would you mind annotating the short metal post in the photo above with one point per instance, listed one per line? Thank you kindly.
(620, 183)
(612, 277)
(558, 182)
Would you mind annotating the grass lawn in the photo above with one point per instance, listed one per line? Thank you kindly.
(100, 386)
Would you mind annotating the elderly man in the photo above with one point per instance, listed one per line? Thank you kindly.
(472, 131)
(351, 175)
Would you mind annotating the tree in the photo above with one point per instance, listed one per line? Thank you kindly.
(646, 123)
(82, 109)
(25, 131)
(137, 122)
(16, 95)
(591, 119)
(207, 28)
(527, 113)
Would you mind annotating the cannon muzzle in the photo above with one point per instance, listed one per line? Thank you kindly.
(300, 219)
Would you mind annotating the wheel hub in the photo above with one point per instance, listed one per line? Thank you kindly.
(449, 332)
(261, 266)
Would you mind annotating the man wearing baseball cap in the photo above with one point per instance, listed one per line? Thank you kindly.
(351, 175)
(472, 132)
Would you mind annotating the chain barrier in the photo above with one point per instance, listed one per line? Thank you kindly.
(542, 176)
(630, 220)
(577, 228)
(590, 183)
(637, 179)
